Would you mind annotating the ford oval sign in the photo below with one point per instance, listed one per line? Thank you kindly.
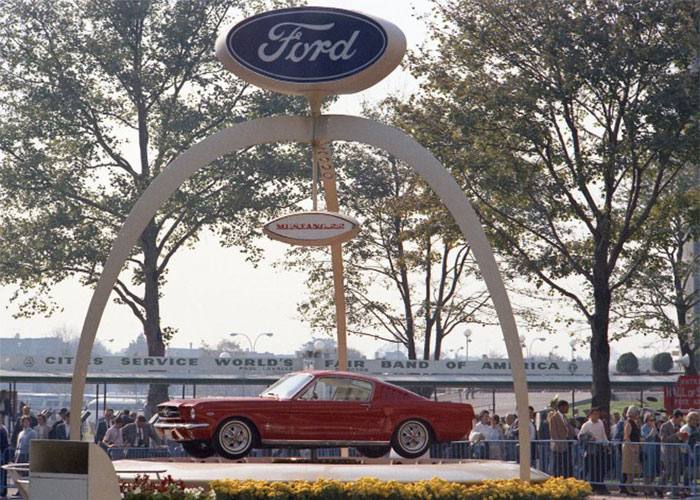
(312, 228)
(309, 50)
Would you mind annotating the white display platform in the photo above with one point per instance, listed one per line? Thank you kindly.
(195, 474)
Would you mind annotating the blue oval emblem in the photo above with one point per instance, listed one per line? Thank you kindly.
(307, 44)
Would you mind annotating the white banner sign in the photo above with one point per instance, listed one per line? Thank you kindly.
(284, 364)
(461, 367)
(174, 365)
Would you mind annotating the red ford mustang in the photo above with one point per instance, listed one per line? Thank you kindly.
(313, 410)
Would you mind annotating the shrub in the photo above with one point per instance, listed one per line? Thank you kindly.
(662, 362)
(628, 363)
(371, 489)
(166, 489)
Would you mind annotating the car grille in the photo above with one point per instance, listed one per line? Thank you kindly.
(168, 412)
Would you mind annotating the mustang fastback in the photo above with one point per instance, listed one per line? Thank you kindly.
(315, 409)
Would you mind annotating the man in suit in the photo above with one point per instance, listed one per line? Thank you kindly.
(561, 432)
(671, 437)
(139, 435)
(103, 424)
(63, 428)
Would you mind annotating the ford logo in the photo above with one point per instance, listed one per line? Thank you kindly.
(311, 50)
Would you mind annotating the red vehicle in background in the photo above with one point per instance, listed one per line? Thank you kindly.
(315, 409)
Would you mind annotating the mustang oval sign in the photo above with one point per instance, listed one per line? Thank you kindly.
(312, 228)
(309, 50)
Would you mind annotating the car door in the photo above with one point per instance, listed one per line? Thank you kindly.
(334, 409)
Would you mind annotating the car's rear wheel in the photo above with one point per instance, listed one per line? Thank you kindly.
(234, 438)
(199, 448)
(412, 438)
(374, 451)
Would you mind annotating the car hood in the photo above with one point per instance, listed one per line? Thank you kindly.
(216, 401)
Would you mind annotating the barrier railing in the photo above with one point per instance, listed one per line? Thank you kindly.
(652, 467)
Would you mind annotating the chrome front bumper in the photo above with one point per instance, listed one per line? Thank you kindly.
(179, 426)
(181, 431)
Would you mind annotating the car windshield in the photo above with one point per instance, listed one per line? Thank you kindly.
(287, 386)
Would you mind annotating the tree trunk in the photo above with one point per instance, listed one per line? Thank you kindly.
(411, 346)
(439, 336)
(600, 348)
(157, 393)
(682, 311)
(691, 369)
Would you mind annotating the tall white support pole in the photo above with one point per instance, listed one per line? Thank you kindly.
(300, 129)
(323, 162)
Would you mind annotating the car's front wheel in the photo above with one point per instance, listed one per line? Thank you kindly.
(234, 438)
(199, 448)
(412, 439)
(374, 451)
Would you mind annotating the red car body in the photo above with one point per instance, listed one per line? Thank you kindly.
(353, 416)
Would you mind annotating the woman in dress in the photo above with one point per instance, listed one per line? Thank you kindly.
(630, 450)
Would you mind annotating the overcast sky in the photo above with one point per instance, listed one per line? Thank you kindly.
(212, 291)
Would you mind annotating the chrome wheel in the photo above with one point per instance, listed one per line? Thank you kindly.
(235, 437)
(413, 436)
(412, 439)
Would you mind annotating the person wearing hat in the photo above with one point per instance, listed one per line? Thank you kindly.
(63, 426)
(671, 439)
(53, 433)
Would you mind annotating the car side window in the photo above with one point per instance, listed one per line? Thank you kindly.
(338, 389)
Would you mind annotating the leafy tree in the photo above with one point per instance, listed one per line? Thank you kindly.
(406, 271)
(565, 121)
(98, 98)
(627, 363)
(662, 298)
(662, 362)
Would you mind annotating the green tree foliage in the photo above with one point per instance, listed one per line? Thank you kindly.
(97, 98)
(628, 364)
(662, 362)
(407, 272)
(565, 121)
(661, 298)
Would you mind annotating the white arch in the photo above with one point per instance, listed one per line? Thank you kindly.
(300, 129)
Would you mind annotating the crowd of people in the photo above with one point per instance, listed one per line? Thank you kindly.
(635, 449)
(120, 435)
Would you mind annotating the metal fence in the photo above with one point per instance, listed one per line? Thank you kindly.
(651, 467)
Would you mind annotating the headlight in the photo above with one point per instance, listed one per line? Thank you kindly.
(192, 413)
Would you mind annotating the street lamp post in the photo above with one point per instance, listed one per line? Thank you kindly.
(529, 350)
(455, 352)
(572, 343)
(264, 334)
(252, 343)
(467, 334)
